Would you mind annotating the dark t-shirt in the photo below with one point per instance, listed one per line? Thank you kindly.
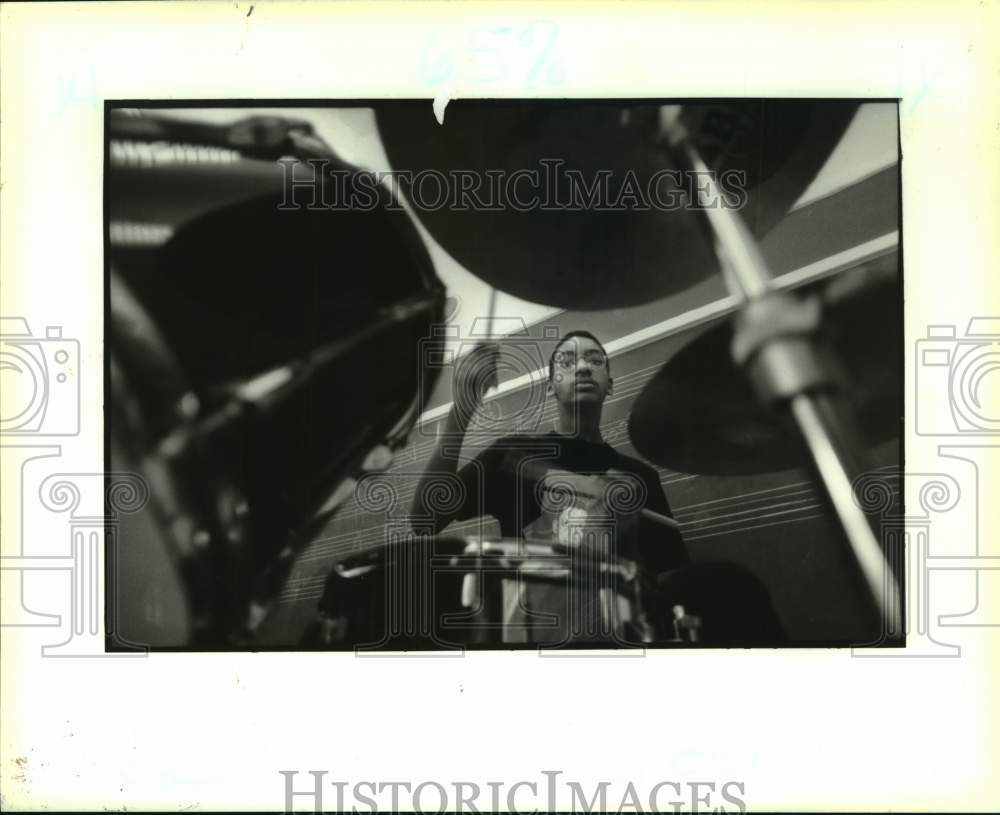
(535, 484)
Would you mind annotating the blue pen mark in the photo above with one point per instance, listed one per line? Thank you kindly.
(78, 90)
(492, 54)
(546, 61)
(911, 101)
(437, 64)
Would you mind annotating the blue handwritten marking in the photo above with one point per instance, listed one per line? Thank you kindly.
(911, 101)
(554, 73)
(492, 54)
(442, 67)
(78, 90)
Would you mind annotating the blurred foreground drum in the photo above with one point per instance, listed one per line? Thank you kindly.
(427, 593)
(250, 376)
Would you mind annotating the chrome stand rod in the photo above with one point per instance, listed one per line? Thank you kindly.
(749, 279)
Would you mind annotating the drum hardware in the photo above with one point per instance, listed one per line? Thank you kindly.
(687, 627)
(774, 344)
(270, 390)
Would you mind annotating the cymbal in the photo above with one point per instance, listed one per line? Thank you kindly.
(550, 250)
(700, 414)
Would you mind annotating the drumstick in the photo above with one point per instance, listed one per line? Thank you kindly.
(489, 332)
(489, 319)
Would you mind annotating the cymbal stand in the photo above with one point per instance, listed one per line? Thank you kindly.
(774, 343)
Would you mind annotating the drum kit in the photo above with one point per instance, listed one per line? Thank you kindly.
(235, 370)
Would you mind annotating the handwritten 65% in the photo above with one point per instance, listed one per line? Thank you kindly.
(495, 54)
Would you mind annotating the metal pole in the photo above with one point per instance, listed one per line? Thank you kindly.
(749, 279)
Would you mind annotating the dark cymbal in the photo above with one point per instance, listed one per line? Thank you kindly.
(699, 414)
(579, 256)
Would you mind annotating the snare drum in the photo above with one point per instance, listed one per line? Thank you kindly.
(427, 593)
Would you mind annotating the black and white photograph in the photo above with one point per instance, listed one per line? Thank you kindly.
(499, 407)
(504, 374)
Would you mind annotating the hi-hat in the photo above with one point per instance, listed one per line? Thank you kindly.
(699, 414)
(545, 241)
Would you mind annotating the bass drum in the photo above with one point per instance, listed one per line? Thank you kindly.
(270, 352)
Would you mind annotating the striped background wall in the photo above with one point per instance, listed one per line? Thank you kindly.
(774, 524)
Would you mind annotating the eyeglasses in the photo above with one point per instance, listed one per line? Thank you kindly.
(567, 359)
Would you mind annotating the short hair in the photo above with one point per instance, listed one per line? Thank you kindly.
(569, 336)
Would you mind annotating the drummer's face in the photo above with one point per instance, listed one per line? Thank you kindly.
(580, 372)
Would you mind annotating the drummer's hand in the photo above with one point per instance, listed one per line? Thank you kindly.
(475, 373)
